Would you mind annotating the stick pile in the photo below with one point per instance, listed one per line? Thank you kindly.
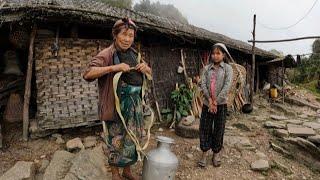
(236, 96)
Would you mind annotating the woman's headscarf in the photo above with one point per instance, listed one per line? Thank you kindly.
(123, 23)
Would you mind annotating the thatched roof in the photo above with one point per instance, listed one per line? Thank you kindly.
(97, 12)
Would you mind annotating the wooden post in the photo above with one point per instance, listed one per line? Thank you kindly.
(183, 62)
(283, 76)
(253, 59)
(27, 91)
(0, 137)
(258, 78)
(56, 43)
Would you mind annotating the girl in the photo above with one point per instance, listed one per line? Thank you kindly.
(215, 83)
(120, 57)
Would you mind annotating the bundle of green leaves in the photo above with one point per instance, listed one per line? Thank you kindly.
(182, 98)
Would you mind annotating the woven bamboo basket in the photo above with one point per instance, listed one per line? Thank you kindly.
(19, 38)
(236, 95)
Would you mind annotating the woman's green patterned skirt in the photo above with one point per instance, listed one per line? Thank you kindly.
(122, 150)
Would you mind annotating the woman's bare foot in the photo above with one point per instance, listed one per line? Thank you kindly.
(115, 173)
(128, 175)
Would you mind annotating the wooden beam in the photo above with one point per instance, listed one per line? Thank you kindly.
(27, 91)
(253, 64)
(283, 40)
(258, 79)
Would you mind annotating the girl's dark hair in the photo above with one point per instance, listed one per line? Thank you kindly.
(226, 58)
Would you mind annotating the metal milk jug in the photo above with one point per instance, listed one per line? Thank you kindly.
(160, 163)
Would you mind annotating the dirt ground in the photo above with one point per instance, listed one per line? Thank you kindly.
(235, 162)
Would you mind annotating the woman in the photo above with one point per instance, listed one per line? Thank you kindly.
(120, 57)
(215, 83)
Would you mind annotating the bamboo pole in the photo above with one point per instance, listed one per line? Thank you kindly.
(284, 40)
(283, 74)
(253, 59)
(183, 62)
(258, 78)
(27, 92)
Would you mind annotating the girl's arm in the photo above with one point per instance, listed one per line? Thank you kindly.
(204, 87)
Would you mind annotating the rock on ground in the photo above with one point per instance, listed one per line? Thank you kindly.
(282, 167)
(239, 142)
(288, 111)
(44, 164)
(281, 133)
(279, 118)
(294, 121)
(58, 166)
(88, 164)
(312, 125)
(74, 144)
(261, 155)
(56, 135)
(189, 156)
(300, 102)
(90, 141)
(301, 131)
(306, 145)
(270, 124)
(314, 139)
(260, 165)
(59, 140)
(22, 170)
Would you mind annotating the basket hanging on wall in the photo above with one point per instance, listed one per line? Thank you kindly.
(19, 37)
(12, 63)
(14, 108)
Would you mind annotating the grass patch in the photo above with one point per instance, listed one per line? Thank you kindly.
(312, 87)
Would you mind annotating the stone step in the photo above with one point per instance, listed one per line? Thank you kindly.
(21, 170)
(300, 102)
(301, 131)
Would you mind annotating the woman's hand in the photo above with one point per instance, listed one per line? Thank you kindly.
(123, 67)
(144, 68)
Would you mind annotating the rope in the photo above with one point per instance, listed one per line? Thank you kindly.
(288, 27)
(139, 147)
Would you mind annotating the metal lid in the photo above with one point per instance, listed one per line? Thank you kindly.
(165, 139)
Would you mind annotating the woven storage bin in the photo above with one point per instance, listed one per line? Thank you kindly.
(14, 108)
(64, 98)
